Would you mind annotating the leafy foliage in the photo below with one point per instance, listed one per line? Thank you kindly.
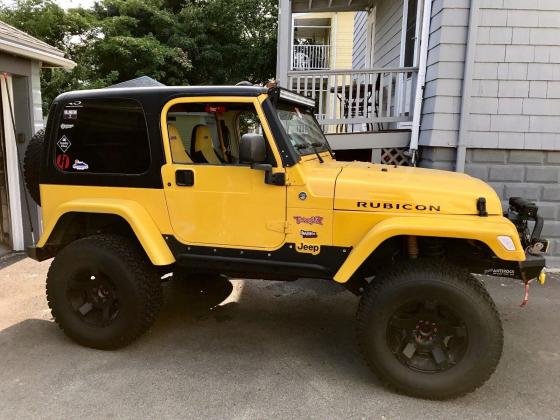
(177, 42)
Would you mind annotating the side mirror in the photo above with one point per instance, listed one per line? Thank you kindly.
(252, 148)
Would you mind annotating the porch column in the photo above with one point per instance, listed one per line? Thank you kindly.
(284, 41)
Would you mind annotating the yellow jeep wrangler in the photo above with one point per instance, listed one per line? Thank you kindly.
(137, 183)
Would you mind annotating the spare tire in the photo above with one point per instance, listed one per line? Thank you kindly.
(32, 164)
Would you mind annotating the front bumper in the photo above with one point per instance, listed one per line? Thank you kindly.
(532, 267)
(521, 212)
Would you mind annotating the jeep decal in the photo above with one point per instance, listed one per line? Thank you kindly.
(397, 206)
(308, 249)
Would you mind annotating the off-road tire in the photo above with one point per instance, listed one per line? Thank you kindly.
(136, 281)
(468, 298)
(32, 164)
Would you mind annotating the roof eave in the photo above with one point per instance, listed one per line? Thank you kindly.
(47, 59)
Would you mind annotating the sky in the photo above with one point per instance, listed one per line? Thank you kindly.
(67, 4)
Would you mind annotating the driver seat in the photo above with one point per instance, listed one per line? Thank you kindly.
(203, 147)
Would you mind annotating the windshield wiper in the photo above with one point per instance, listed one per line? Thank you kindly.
(313, 146)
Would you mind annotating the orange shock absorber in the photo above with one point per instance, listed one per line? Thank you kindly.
(412, 247)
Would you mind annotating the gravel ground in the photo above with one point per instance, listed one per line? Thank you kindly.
(270, 350)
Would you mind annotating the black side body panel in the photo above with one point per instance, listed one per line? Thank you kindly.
(283, 263)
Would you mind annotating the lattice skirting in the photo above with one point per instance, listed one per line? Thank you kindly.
(395, 156)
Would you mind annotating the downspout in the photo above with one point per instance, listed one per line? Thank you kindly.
(467, 88)
(421, 82)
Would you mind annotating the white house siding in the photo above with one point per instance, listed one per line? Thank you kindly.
(359, 48)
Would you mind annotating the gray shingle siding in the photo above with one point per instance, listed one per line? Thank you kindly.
(516, 81)
(360, 41)
(388, 29)
(444, 73)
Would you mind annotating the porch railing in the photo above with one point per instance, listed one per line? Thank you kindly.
(359, 100)
(311, 57)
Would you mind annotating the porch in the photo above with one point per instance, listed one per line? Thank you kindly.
(369, 103)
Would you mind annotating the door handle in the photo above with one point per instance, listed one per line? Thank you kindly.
(184, 178)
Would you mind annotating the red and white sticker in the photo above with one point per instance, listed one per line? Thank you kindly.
(63, 161)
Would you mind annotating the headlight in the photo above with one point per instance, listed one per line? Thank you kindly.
(507, 242)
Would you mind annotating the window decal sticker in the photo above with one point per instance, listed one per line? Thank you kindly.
(80, 166)
(66, 126)
(64, 144)
(70, 114)
(63, 161)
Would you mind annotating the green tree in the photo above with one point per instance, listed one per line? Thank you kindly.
(177, 42)
(230, 41)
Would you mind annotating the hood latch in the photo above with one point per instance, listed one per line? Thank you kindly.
(481, 207)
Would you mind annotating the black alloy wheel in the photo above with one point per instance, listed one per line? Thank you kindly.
(429, 329)
(427, 336)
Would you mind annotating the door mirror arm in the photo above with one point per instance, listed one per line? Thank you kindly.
(269, 177)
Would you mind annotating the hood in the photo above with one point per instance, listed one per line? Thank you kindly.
(382, 188)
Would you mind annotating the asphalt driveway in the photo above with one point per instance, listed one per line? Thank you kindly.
(271, 350)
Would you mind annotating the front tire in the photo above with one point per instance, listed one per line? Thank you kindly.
(429, 330)
(103, 292)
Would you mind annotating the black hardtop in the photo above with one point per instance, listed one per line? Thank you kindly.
(161, 94)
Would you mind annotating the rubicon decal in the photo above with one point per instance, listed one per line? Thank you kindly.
(308, 249)
(312, 220)
(396, 206)
(308, 234)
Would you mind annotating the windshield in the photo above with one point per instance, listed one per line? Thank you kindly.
(302, 128)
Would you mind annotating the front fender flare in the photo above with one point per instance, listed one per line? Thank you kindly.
(133, 213)
(484, 229)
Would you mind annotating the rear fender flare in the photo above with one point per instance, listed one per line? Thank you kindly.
(483, 229)
(132, 212)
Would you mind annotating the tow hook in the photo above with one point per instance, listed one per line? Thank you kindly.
(541, 279)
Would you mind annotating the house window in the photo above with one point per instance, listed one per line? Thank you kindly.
(410, 39)
(102, 136)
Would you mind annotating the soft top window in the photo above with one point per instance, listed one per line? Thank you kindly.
(102, 136)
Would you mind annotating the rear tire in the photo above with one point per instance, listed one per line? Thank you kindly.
(32, 165)
(103, 292)
(429, 330)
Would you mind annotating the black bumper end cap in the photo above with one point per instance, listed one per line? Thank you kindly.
(532, 266)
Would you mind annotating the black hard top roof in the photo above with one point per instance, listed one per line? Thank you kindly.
(162, 93)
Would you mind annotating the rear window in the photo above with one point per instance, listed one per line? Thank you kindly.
(102, 136)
